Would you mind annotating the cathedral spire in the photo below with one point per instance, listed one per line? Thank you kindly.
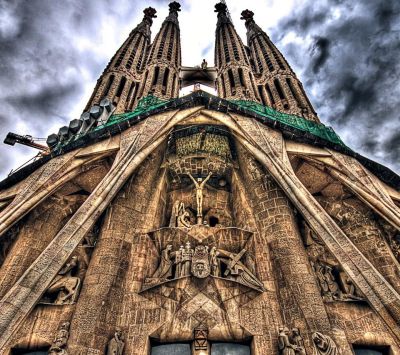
(162, 69)
(235, 79)
(121, 79)
(278, 85)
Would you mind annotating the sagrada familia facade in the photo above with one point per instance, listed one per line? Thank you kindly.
(233, 224)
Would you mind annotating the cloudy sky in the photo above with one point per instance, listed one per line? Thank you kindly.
(346, 52)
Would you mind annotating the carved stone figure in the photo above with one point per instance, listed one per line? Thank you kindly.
(116, 344)
(60, 340)
(199, 185)
(177, 210)
(284, 345)
(186, 260)
(237, 271)
(164, 270)
(178, 262)
(297, 340)
(184, 219)
(66, 285)
(214, 262)
(324, 345)
(329, 287)
(200, 262)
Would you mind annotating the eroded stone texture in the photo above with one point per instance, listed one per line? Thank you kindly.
(40, 228)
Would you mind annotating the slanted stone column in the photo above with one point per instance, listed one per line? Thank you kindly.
(299, 297)
(101, 298)
(42, 225)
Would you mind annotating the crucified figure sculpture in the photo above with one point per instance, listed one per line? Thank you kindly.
(199, 185)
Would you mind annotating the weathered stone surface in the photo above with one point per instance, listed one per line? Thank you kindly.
(252, 201)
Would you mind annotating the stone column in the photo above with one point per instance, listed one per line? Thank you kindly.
(101, 299)
(42, 224)
(261, 316)
(300, 299)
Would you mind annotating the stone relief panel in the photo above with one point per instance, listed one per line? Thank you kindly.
(203, 253)
(334, 283)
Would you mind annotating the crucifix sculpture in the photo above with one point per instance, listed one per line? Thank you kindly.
(199, 185)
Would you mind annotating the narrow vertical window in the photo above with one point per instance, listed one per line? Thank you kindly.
(231, 82)
(120, 87)
(128, 97)
(223, 86)
(108, 86)
(241, 78)
(270, 96)
(165, 80)
(155, 76)
(260, 92)
(279, 89)
(173, 86)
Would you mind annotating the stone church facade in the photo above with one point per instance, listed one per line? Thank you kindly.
(201, 224)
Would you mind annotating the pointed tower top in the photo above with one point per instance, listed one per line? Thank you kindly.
(252, 28)
(174, 8)
(149, 14)
(144, 26)
(222, 11)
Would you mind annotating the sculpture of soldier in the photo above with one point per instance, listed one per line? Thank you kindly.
(214, 262)
(187, 254)
(178, 262)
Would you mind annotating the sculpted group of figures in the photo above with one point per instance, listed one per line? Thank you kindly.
(291, 343)
(335, 285)
(202, 262)
(59, 347)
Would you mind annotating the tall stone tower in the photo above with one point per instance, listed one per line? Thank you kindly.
(230, 224)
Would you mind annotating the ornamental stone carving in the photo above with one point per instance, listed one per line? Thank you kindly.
(202, 262)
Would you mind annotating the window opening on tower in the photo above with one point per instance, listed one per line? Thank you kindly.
(108, 86)
(279, 89)
(121, 87)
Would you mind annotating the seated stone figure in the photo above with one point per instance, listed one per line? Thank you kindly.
(65, 285)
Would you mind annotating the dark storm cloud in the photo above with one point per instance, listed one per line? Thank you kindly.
(43, 65)
(320, 53)
(348, 59)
